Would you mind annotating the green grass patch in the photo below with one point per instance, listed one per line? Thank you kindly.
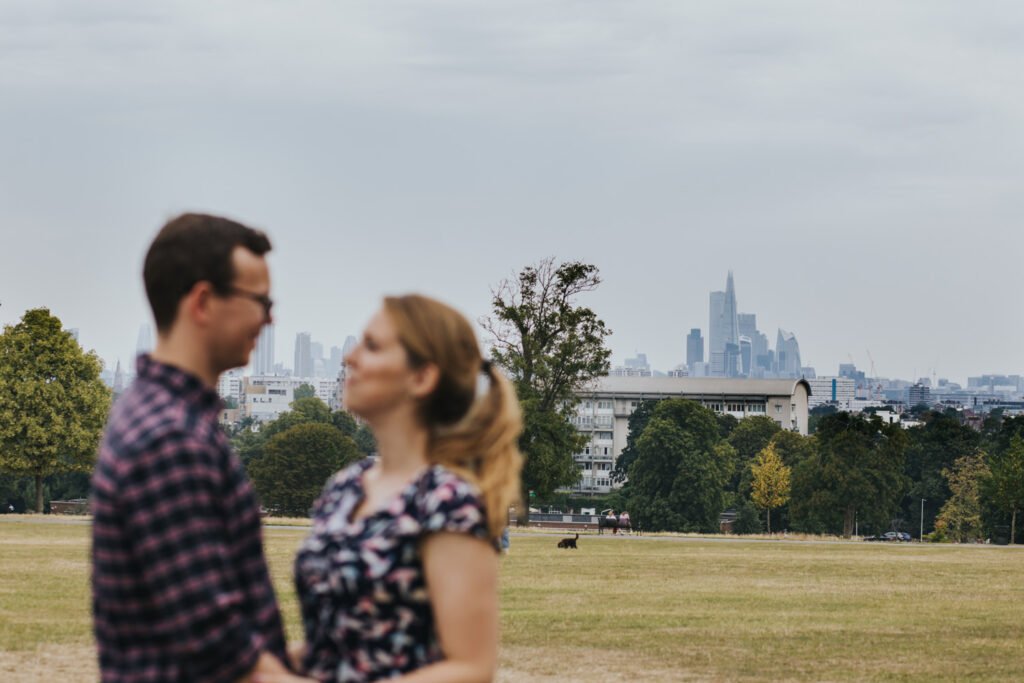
(632, 609)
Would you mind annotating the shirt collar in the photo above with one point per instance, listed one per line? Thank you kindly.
(179, 382)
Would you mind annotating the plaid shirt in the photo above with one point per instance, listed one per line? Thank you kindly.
(181, 590)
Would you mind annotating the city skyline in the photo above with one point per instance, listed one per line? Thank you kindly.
(859, 166)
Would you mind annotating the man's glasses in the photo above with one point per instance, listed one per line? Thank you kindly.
(262, 299)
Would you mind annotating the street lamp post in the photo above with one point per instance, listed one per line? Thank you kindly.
(920, 536)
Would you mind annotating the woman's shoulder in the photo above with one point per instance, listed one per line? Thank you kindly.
(440, 481)
(447, 501)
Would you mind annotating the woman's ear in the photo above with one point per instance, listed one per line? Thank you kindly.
(425, 380)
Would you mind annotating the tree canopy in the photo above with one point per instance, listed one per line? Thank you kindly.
(53, 404)
(770, 485)
(296, 464)
(551, 347)
(682, 467)
(855, 474)
(960, 517)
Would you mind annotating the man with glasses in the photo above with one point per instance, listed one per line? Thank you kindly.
(181, 590)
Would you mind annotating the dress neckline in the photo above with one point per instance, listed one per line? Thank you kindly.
(401, 496)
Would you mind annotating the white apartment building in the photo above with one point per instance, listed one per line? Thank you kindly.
(265, 397)
(839, 391)
(229, 385)
(604, 410)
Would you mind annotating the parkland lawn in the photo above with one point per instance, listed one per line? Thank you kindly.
(631, 609)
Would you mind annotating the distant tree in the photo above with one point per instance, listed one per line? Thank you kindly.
(750, 437)
(551, 347)
(726, 424)
(793, 447)
(635, 427)
(52, 403)
(816, 413)
(1007, 487)
(857, 471)
(960, 516)
(297, 463)
(303, 411)
(933, 448)
(304, 391)
(344, 422)
(770, 486)
(365, 440)
(747, 519)
(678, 480)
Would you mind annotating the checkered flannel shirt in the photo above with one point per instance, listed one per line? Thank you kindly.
(181, 590)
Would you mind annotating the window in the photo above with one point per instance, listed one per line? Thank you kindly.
(604, 405)
(606, 436)
(778, 409)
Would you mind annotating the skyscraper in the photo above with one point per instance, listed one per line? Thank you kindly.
(694, 347)
(787, 355)
(723, 331)
(303, 355)
(144, 342)
(263, 357)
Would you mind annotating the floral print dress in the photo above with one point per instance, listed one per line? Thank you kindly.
(361, 586)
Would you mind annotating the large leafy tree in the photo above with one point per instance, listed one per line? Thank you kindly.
(749, 438)
(960, 517)
(53, 404)
(250, 444)
(638, 420)
(857, 472)
(296, 464)
(551, 347)
(682, 467)
(1007, 486)
(304, 391)
(770, 484)
(932, 449)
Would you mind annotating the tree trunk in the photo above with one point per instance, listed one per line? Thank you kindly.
(1013, 527)
(848, 519)
(39, 494)
(768, 513)
(523, 509)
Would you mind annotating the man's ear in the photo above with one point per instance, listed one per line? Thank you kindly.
(197, 303)
(425, 379)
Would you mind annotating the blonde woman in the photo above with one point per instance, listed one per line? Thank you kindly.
(399, 576)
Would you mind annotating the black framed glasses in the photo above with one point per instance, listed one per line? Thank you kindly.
(262, 299)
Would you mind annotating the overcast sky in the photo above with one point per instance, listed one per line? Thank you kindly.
(857, 165)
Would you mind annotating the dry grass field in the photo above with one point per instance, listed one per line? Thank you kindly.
(632, 609)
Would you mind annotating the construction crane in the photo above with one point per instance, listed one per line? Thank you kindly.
(874, 376)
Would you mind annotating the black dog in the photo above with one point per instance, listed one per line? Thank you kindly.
(568, 542)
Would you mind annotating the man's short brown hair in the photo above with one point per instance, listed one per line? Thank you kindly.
(193, 248)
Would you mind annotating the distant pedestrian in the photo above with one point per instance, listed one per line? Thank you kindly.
(181, 590)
